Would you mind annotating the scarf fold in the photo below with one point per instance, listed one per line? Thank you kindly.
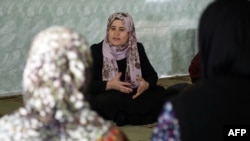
(112, 54)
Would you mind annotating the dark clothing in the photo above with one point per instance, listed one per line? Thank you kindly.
(194, 68)
(176, 88)
(118, 106)
(148, 72)
(194, 73)
(203, 111)
(224, 39)
(222, 96)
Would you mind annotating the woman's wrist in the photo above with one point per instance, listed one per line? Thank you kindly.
(108, 85)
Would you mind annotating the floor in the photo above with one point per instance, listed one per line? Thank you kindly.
(134, 133)
(143, 133)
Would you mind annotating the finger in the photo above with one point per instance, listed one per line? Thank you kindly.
(139, 90)
(136, 95)
(122, 90)
(140, 78)
(125, 90)
(125, 84)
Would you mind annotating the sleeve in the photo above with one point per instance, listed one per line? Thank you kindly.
(97, 85)
(148, 72)
(167, 127)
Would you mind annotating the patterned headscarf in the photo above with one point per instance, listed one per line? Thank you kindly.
(54, 107)
(130, 51)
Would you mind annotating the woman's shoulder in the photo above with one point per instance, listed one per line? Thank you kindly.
(96, 49)
(96, 45)
(139, 45)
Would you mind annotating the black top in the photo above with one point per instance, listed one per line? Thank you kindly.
(222, 96)
(205, 111)
(98, 85)
(224, 39)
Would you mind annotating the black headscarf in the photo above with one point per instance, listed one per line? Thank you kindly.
(222, 97)
(224, 39)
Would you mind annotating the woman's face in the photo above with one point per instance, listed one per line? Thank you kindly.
(117, 33)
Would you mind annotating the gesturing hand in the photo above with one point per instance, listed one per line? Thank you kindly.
(143, 86)
(118, 85)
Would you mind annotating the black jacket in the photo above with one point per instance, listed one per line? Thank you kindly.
(98, 85)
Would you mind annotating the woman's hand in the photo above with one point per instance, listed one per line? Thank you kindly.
(118, 85)
(143, 86)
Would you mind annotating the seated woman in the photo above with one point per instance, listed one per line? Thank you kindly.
(124, 85)
(54, 108)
